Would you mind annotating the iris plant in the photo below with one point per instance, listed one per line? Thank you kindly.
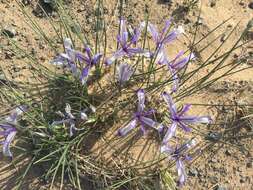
(165, 36)
(70, 57)
(140, 117)
(175, 65)
(126, 48)
(70, 119)
(8, 129)
(90, 61)
(179, 118)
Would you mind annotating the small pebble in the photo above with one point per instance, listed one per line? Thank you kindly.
(9, 31)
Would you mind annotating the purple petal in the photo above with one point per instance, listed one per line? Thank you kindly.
(141, 100)
(127, 128)
(181, 172)
(195, 119)
(170, 37)
(84, 74)
(154, 32)
(73, 69)
(133, 51)
(151, 123)
(6, 144)
(96, 58)
(58, 61)
(166, 27)
(70, 55)
(118, 54)
(81, 57)
(88, 51)
(136, 36)
(180, 64)
(175, 79)
(124, 72)
(123, 32)
(170, 133)
(167, 98)
(162, 58)
(6, 126)
(185, 108)
(187, 158)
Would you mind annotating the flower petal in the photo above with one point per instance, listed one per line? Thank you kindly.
(151, 123)
(125, 130)
(141, 100)
(136, 36)
(175, 79)
(83, 116)
(171, 36)
(181, 172)
(180, 64)
(162, 58)
(185, 108)
(88, 51)
(124, 72)
(84, 74)
(133, 51)
(196, 119)
(170, 133)
(6, 144)
(118, 54)
(154, 32)
(96, 59)
(166, 27)
(68, 111)
(172, 106)
(123, 32)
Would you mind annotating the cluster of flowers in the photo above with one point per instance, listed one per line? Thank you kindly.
(141, 117)
(178, 119)
(127, 48)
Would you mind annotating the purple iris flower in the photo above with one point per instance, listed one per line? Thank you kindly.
(165, 36)
(141, 117)
(175, 65)
(178, 154)
(180, 118)
(125, 46)
(124, 72)
(8, 129)
(68, 58)
(89, 61)
(70, 119)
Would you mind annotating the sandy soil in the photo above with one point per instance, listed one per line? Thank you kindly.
(223, 165)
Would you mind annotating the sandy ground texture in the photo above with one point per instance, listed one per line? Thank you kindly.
(226, 164)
